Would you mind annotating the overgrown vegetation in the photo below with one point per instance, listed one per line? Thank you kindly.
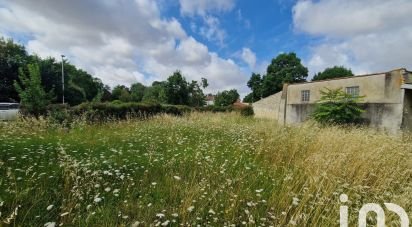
(199, 169)
(337, 107)
(331, 73)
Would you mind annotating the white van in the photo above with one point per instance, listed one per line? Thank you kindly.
(8, 111)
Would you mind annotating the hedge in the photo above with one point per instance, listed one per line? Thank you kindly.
(100, 112)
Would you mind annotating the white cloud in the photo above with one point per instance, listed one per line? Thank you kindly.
(202, 7)
(212, 30)
(249, 57)
(119, 42)
(368, 35)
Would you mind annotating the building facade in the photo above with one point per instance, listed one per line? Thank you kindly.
(387, 99)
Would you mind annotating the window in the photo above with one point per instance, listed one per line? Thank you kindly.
(305, 95)
(354, 91)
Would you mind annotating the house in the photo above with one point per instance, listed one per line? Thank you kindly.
(387, 101)
(210, 100)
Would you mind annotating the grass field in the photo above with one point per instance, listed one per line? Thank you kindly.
(202, 169)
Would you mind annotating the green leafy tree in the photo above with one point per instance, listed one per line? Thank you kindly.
(33, 98)
(176, 88)
(285, 68)
(205, 83)
(156, 93)
(255, 84)
(334, 72)
(196, 96)
(226, 98)
(337, 107)
(249, 98)
(137, 91)
(12, 57)
(118, 91)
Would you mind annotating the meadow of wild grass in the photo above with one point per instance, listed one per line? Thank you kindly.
(200, 169)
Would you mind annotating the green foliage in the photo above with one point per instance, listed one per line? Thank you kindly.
(100, 112)
(247, 111)
(337, 107)
(155, 94)
(334, 72)
(137, 92)
(196, 96)
(80, 86)
(33, 98)
(12, 57)
(249, 98)
(176, 88)
(285, 68)
(226, 98)
(255, 84)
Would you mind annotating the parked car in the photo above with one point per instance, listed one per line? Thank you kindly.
(9, 111)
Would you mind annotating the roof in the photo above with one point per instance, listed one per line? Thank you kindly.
(348, 77)
(210, 98)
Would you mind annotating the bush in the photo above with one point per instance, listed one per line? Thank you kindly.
(119, 111)
(338, 107)
(247, 111)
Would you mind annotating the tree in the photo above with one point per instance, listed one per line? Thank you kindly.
(118, 91)
(226, 98)
(255, 84)
(285, 68)
(196, 96)
(334, 72)
(176, 89)
(205, 84)
(337, 107)
(249, 98)
(156, 93)
(137, 92)
(12, 57)
(33, 98)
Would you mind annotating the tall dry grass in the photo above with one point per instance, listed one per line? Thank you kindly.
(199, 169)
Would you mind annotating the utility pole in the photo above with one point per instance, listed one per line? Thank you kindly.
(63, 76)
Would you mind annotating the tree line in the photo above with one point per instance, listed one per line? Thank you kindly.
(29, 78)
(286, 68)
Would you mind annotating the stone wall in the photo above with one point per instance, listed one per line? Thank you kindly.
(268, 107)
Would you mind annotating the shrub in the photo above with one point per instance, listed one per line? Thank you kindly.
(337, 107)
(247, 111)
(118, 111)
(59, 113)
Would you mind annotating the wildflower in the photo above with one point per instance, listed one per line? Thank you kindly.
(177, 178)
(191, 208)
(136, 224)
(64, 214)
(259, 190)
(160, 215)
(175, 215)
(116, 191)
(107, 189)
(165, 223)
(295, 201)
(212, 212)
(50, 224)
(97, 200)
(49, 207)
(154, 183)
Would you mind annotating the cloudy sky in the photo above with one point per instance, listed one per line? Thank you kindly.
(125, 41)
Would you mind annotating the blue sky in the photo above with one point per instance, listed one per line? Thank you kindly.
(128, 41)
